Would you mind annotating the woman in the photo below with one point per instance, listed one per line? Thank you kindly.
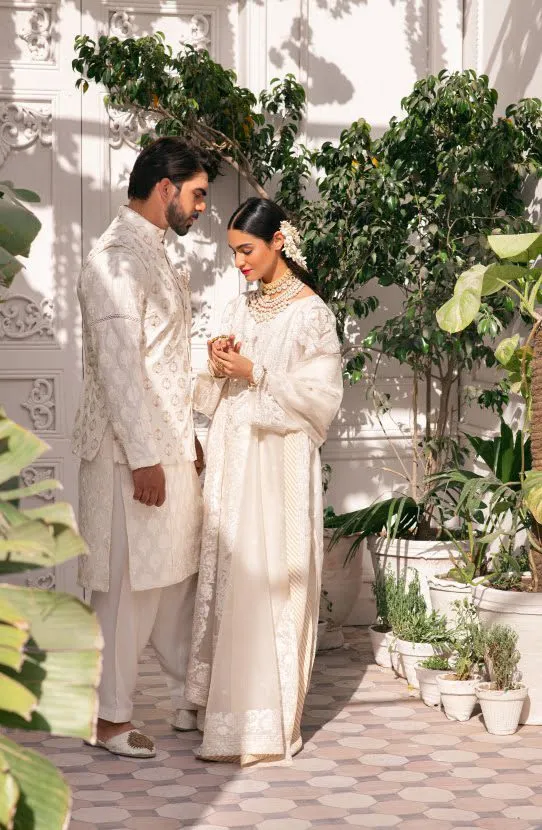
(273, 387)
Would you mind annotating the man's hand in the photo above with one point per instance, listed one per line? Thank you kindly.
(199, 463)
(150, 485)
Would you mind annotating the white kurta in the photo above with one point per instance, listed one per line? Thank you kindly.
(136, 405)
(258, 592)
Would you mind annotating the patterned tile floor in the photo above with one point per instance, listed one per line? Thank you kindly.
(374, 756)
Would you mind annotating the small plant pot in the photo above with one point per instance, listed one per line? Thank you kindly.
(411, 655)
(380, 642)
(458, 697)
(427, 682)
(501, 710)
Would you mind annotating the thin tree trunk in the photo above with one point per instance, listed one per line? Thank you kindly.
(415, 438)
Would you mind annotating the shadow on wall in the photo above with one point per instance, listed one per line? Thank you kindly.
(327, 83)
(518, 44)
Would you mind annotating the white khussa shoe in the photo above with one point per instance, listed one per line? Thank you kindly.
(133, 744)
(185, 720)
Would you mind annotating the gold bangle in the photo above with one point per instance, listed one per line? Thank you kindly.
(219, 337)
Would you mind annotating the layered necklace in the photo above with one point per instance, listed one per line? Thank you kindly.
(270, 300)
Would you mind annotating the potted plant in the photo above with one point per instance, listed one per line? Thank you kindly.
(458, 687)
(427, 672)
(380, 632)
(421, 635)
(490, 506)
(514, 602)
(502, 698)
(404, 601)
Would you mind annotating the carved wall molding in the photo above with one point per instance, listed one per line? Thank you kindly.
(44, 580)
(41, 404)
(196, 26)
(40, 472)
(127, 127)
(24, 319)
(199, 28)
(121, 24)
(22, 126)
(38, 34)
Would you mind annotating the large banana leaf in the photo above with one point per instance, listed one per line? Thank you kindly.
(32, 791)
(62, 663)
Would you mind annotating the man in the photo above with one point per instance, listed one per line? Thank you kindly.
(140, 498)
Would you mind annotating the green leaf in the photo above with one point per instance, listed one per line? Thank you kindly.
(63, 664)
(506, 349)
(9, 794)
(532, 491)
(498, 276)
(460, 311)
(12, 642)
(18, 228)
(45, 800)
(31, 490)
(519, 247)
(16, 698)
(23, 448)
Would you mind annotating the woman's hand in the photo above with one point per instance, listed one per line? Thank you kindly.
(232, 364)
(225, 343)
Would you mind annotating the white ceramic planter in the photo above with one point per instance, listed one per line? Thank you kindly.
(427, 682)
(523, 613)
(380, 642)
(458, 697)
(444, 592)
(404, 557)
(396, 662)
(348, 586)
(329, 636)
(411, 655)
(501, 710)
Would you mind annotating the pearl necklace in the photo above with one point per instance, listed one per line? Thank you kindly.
(269, 300)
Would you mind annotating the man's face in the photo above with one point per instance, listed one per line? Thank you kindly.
(186, 203)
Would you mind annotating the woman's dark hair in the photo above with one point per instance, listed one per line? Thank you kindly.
(168, 157)
(262, 218)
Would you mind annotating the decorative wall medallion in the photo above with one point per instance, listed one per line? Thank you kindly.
(127, 126)
(41, 404)
(22, 318)
(45, 581)
(21, 127)
(34, 474)
(38, 34)
(198, 31)
(121, 24)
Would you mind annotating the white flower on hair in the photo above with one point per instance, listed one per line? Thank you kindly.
(292, 243)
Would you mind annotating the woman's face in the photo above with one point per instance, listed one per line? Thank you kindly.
(254, 257)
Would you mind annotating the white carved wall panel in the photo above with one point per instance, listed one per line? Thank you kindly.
(28, 35)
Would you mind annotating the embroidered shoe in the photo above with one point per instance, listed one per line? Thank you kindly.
(133, 744)
(185, 720)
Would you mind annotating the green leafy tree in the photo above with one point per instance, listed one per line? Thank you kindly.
(187, 93)
(434, 186)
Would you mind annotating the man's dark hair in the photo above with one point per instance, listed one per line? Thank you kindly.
(168, 157)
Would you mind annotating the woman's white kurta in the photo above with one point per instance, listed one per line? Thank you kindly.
(259, 585)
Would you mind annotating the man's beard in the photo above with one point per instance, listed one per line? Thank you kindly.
(177, 220)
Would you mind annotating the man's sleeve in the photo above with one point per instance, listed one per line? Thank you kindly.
(114, 290)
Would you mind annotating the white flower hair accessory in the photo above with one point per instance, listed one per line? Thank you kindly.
(292, 243)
